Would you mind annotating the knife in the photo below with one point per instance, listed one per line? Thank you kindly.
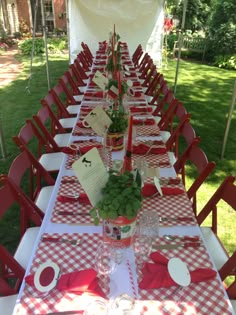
(163, 219)
(174, 246)
(71, 213)
(66, 313)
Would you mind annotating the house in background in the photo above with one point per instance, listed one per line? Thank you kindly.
(14, 13)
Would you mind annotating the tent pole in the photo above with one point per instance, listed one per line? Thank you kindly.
(33, 45)
(180, 40)
(45, 41)
(2, 142)
(231, 108)
(68, 28)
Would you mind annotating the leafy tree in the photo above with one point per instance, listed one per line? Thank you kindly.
(222, 27)
(197, 13)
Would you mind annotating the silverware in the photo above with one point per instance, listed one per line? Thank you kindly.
(72, 213)
(59, 240)
(64, 313)
(174, 246)
(182, 238)
(164, 219)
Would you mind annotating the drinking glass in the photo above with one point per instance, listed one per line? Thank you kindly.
(105, 264)
(149, 224)
(97, 307)
(142, 245)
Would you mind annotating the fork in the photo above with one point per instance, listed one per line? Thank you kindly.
(59, 240)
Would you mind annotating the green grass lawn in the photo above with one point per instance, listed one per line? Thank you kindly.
(205, 92)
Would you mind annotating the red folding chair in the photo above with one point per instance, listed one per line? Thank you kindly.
(12, 267)
(73, 94)
(30, 137)
(225, 262)
(137, 54)
(88, 52)
(44, 119)
(196, 160)
(79, 66)
(152, 73)
(54, 103)
(30, 177)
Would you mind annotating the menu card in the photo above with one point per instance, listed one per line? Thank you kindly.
(92, 174)
(98, 120)
(100, 80)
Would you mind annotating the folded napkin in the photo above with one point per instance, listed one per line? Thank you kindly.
(146, 122)
(86, 109)
(139, 109)
(135, 93)
(78, 282)
(143, 149)
(156, 275)
(81, 149)
(136, 83)
(83, 198)
(150, 189)
(80, 125)
(100, 63)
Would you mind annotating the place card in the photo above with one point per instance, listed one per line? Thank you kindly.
(100, 80)
(98, 120)
(92, 174)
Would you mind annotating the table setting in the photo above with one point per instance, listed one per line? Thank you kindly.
(147, 257)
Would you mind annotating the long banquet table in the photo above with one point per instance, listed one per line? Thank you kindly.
(206, 297)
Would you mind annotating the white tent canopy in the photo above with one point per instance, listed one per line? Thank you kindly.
(136, 21)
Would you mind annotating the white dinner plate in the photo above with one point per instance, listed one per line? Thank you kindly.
(46, 276)
(179, 272)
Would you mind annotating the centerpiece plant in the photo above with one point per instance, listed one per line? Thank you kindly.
(121, 196)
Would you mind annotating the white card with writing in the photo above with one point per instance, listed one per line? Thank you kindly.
(98, 120)
(92, 174)
(100, 80)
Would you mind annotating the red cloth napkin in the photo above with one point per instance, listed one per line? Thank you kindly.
(143, 149)
(150, 189)
(80, 125)
(148, 121)
(139, 109)
(136, 83)
(78, 281)
(83, 198)
(100, 63)
(156, 275)
(135, 93)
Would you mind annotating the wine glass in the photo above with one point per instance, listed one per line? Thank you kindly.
(149, 224)
(105, 264)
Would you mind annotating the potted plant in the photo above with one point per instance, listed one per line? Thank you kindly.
(119, 206)
(118, 115)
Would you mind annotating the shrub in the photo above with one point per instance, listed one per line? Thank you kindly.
(227, 62)
(55, 45)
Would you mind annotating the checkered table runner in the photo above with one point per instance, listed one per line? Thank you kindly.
(68, 186)
(69, 258)
(201, 298)
(172, 206)
(154, 160)
(70, 159)
(152, 130)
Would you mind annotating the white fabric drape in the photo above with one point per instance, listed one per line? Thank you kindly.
(136, 21)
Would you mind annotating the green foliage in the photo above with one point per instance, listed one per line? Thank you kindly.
(55, 45)
(121, 197)
(222, 28)
(227, 62)
(119, 120)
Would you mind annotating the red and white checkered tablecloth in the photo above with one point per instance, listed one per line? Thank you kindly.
(152, 130)
(154, 160)
(81, 131)
(69, 258)
(107, 159)
(201, 298)
(171, 206)
(68, 186)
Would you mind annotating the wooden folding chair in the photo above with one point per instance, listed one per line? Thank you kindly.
(73, 95)
(87, 52)
(137, 54)
(196, 160)
(225, 262)
(30, 137)
(52, 101)
(12, 267)
(44, 119)
(31, 178)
